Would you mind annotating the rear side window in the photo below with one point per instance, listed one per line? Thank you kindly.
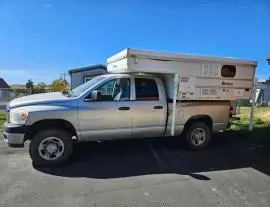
(228, 71)
(146, 89)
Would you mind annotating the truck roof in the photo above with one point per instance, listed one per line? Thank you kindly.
(167, 56)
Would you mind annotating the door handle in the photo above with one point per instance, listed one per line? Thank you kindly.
(158, 107)
(124, 108)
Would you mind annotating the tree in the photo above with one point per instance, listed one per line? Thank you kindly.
(40, 87)
(30, 86)
(59, 85)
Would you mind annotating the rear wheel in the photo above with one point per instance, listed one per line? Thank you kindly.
(197, 135)
(50, 147)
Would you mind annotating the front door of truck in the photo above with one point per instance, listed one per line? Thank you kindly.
(109, 117)
(148, 109)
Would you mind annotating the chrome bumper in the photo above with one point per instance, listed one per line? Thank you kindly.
(14, 134)
(14, 139)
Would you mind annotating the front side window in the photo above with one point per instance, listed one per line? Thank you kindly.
(115, 90)
(146, 89)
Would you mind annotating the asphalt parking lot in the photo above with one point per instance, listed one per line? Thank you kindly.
(157, 172)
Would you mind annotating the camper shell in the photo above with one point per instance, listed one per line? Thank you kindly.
(200, 77)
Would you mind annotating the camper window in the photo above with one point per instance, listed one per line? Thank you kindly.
(228, 71)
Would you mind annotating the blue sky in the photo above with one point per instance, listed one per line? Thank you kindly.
(42, 39)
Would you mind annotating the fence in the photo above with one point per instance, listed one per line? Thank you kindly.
(8, 94)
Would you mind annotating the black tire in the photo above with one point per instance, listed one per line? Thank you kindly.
(39, 137)
(189, 132)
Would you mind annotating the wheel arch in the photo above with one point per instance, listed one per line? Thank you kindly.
(200, 118)
(50, 123)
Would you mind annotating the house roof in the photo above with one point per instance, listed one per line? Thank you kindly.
(92, 67)
(3, 83)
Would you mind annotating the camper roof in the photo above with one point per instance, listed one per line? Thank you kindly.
(148, 54)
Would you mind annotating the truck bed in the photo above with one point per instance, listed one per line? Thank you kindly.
(218, 111)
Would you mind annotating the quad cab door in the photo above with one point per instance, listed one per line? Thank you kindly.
(110, 116)
(149, 108)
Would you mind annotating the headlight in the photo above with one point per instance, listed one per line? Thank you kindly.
(18, 116)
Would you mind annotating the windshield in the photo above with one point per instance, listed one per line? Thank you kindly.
(84, 87)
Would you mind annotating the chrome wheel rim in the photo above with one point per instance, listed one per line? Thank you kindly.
(198, 136)
(51, 148)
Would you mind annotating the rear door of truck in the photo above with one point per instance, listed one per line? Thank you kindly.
(149, 108)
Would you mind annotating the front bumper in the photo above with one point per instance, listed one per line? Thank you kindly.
(14, 134)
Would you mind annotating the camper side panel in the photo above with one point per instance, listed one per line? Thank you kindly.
(119, 66)
(198, 84)
(199, 80)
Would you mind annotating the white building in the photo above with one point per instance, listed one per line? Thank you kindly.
(263, 93)
(79, 76)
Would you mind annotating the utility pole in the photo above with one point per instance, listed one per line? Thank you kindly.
(64, 75)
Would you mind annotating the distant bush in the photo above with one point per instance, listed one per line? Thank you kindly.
(258, 121)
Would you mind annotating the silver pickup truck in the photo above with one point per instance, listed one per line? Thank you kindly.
(113, 106)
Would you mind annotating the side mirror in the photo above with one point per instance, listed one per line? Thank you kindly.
(95, 95)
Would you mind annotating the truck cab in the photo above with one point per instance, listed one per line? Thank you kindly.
(128, 106)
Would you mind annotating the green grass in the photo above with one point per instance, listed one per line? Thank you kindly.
(2, 118)
(261, 126)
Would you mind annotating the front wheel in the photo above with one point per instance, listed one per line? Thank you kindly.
(197, 135)
(50, 147)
